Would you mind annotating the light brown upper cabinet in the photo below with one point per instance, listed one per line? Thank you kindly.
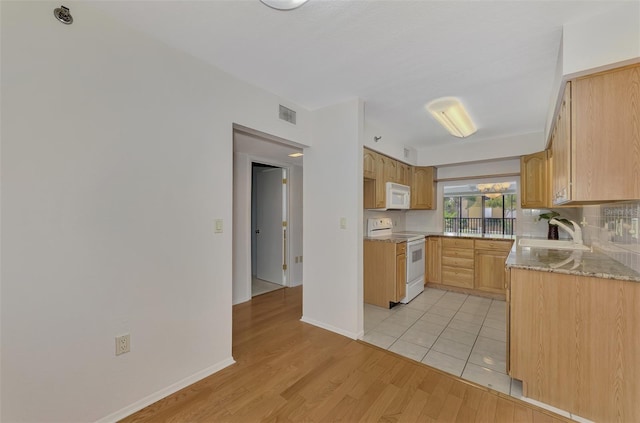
(534, 177)
(561, 151)
(369, 159)
(373, 177)
(596, 143)
(403, 175)
(390, 169)
(379, 169)
(423, 188)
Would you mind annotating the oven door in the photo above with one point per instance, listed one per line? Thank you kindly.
(415, 260)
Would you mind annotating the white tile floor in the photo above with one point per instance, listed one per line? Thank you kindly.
(457, 333)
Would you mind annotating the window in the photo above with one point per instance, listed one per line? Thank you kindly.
(488, 213)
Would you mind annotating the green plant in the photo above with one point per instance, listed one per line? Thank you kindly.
(550, 215)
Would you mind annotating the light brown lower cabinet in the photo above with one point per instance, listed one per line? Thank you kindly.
(434, 256)
(474, 266)
(575, 343)
(384, 272)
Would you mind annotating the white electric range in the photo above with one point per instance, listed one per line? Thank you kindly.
(382, 227)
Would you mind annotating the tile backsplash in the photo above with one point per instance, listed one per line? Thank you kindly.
(613, 230)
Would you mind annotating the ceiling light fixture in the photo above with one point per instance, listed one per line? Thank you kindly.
(493, 190)
(451, 114)
(295, 155)
(284, 4)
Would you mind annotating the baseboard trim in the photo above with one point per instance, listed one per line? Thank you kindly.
(348, 334)
(242, 300)
(139, 405)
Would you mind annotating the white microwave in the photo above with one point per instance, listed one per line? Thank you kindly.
(398, 196)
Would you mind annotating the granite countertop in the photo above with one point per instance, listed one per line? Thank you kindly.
(581, 263)
(398, 240)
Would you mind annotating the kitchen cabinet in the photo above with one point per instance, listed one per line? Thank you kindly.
(596, 139)
(377, 170)
(374, 192)
(476, 266)
(489, 266)
(423, 188)
(369, 162)
(390, 169)
(561, 150)
(573, 341)
(535, 180)
(434, 253)
(403, 175)
(457, 263)
(384, 272)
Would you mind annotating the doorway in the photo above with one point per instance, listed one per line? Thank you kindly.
(272, 155)
(269, 220)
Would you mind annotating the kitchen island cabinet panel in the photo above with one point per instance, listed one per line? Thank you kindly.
(574, 343)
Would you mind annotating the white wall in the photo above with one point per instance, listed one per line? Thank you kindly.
(388, 144)
(333, 190)
(116, 158)
(461, 151)
(242, 228)
(596, 41)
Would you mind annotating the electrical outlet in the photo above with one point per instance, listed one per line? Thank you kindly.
(123, 344)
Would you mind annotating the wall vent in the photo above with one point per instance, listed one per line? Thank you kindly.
(287, 114)
(406, 153)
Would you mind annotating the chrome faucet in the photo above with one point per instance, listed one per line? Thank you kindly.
(576, 233)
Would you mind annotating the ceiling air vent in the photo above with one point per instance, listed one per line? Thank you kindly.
(287, 114)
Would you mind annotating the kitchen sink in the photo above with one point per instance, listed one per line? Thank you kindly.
(553, 244)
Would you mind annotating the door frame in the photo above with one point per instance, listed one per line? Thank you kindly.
(286, 210)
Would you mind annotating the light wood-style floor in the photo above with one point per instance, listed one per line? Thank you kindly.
(291, 371)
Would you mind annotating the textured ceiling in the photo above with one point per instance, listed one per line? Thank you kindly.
(498, 57)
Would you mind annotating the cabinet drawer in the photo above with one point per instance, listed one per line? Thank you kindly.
(457, 252)
(401, 248)
(485, 244)
(464, 263)
(457, 277)
(457, 242)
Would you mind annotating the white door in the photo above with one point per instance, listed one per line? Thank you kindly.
(269, 230)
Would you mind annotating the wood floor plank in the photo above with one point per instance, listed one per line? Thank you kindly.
(290, 371)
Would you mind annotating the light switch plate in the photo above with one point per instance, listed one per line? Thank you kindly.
(218, 226)
(343, 223)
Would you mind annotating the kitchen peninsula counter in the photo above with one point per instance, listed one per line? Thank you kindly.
(580, 263)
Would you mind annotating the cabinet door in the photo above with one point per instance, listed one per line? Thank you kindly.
(423, 188)
(434, 252)
(534, 177)
(561, 151)
(401, 277)
(606, 122)
(369, 161)
(403, 177)
(489, 270)
(380, 186)
(390, 170)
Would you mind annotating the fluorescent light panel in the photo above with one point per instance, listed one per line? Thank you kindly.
(451, 114)
(284, 4)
